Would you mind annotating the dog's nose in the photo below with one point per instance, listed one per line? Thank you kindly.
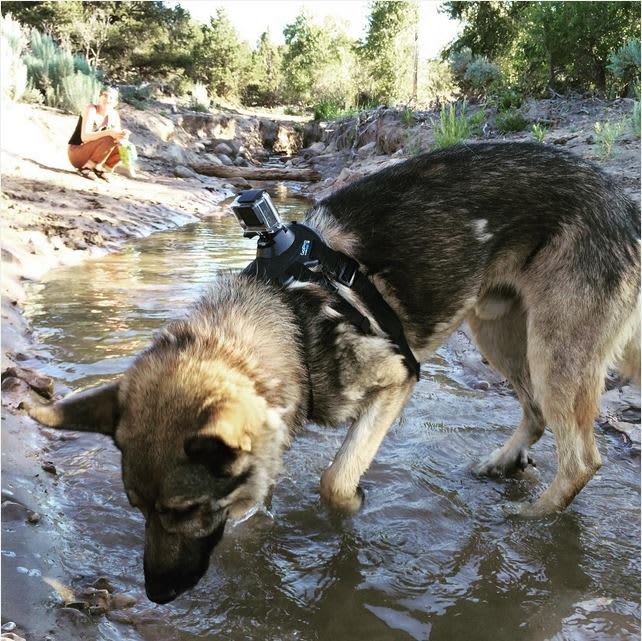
(161, 595)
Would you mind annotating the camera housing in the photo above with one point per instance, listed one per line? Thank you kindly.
(256, 213)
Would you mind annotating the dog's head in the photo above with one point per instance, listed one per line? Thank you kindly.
(197, 444)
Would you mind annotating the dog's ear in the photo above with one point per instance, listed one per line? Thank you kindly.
(211, 452)
(92, 410)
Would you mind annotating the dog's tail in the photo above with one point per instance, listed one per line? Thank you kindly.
(628, 357)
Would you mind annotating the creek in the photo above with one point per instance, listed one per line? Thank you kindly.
(432, 554)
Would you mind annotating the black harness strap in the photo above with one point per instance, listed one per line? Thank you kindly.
(309, 250)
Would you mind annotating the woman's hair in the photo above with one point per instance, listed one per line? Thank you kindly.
(110, 91)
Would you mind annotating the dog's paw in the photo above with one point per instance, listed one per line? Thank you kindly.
(498, 464)
(340, 500)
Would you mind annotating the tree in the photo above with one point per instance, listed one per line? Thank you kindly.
(265, 83)
(219, 58)
(390, 49)
(318, 62)
(540, 45)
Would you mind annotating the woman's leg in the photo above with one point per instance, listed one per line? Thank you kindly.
(91, 154)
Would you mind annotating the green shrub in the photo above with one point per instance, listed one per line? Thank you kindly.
(510, 120)
(77, 91)
(624, 63)
(439, 87)
(508, 99)
(331, 109)
(605, 136)
(199, 98)
(407, 116)
(136, 96)
(635, 119)
(538, 132)
(451, 128)
(13, 72)
(480, 75)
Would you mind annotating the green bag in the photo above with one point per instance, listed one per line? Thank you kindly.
(127, 153)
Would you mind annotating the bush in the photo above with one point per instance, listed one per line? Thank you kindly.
(538, 132)
(199, 98)
(331, 109)
(480, 75)
(440, 86)
(508, 99)
(136, 95)
(624, 63)
(77, 91)
(510, 120)
(635, 117)
(605, 136)
(451, 128)
(13, 72)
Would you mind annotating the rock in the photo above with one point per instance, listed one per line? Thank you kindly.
(98, 601)
(122, 601)
(174, 154)
(181, 171)
(49, 467)
(223, 148)
(225, 160)
(241, 162)
(316, 148)
(199, 147)
(13, 511)
(38, 382)
(33, 518)
(103, 583)
(481, 385)
(212, 159)
(9, 626)
(367, 150)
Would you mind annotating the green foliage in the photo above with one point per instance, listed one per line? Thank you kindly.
(330, 109)
(538, 132)
(59, 76)
(199, 99)
(507, 98)
(439, 86)
(136, 95)
(510, 120)
(319, 64)
(624, 64)
(635, 119)
(13, 72)
(605, 136)
(389, 51)
(266, 83)
(77, 91)
(452, 128)
(407, 117)
(561, 45)
(480, 75)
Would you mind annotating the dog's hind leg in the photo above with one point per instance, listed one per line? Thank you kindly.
(340, 482)
(498, 325)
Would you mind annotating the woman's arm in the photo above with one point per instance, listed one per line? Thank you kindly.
(87, 134)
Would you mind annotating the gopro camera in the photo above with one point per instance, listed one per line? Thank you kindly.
(256, 213)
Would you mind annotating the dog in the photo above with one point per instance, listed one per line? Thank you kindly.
(535, 248)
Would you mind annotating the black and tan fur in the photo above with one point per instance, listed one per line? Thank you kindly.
(535, 248)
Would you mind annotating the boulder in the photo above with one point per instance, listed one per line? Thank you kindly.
(181, 171)
(367, 150)
(224, 148)
(225, 159)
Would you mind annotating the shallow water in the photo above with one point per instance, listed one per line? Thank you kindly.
(432, 555)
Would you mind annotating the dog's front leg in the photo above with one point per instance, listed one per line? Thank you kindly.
(340, 482)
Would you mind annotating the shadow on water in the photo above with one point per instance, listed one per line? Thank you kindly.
(432, 555)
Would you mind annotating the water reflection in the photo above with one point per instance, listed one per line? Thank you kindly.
(432, 555)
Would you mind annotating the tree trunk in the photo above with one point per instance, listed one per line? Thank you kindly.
(256, 173)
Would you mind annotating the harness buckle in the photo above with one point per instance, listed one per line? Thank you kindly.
(347, 272)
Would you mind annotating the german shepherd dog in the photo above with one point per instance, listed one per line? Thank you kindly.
(537, 249)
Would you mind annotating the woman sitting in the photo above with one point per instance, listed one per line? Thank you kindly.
(93, 147)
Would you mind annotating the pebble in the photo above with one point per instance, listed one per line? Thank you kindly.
(48, 466)
(482, 385)
(122, 601)
(34, 518)
(103, 583)
(9, 626)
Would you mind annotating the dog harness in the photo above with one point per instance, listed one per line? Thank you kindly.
(309, 260)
